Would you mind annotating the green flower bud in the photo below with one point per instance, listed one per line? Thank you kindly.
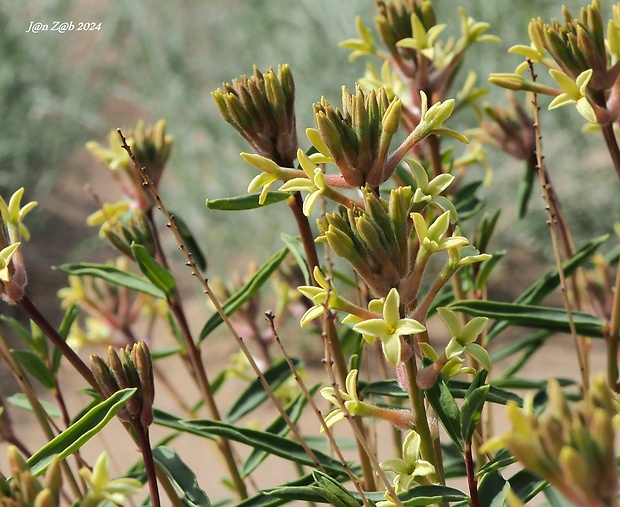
(144, 365)
(359, 136)
(261, 109)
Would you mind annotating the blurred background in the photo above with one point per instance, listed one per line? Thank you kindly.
(161, 59)
(154, 60)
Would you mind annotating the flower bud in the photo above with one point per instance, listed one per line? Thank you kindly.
(261, 109)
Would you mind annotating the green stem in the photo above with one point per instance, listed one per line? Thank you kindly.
(416, 397)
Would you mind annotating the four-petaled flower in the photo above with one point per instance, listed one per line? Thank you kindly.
(429, 191)
(431, 238)
(13, 215)
(390, 328)
(352, 404)
(319, 295)
(574, 93)
(314, 183)
(100, 486)
(463, 337)
(410, 469)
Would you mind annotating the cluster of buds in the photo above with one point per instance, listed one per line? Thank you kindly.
(124, 230)
(572, 449)
(151, 147)
(409, 30)
(131, 367)
(358, 137)
(581, 60)
(375, 239)
(13, 277)
(261, 109)
(24, 489)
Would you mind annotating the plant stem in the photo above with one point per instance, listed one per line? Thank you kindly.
(471, 476)
(613, 336)
(149, 463)
(303, 225)
(612, 145)
(33, 313)
(416, 397)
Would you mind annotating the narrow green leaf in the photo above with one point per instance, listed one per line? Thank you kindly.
(554, 319)
(273, 444)
(246, 201)
(524, 191)
(164, 352)
(526, 485)
(234, 302)
(501, 460)
(190, 243)
(171, 421)
(447, 410)
(432, 494)
(417, 496)
(65, 328)
(182, 476)
(524, 383)
(20, 400)
(297, 251)
(35, 366)
(112, 275)
(294, 409)
(551, 281)
(513, 347)
(265, 499)
(492, 490)
(540, 289)
(471, 411)
(255, 394)
(79, 432)
(487, 267)
(333, 491)
(458, 388)
(153, 270)
(22, 333)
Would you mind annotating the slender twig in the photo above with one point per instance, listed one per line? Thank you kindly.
(358, 430)
(552, 221)
(324, 426)
(218, 307)
(193, 352)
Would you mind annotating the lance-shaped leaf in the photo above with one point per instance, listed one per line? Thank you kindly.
(153, 270)
(555, 319)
